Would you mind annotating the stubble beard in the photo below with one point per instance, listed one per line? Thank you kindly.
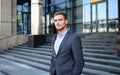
(61, 29)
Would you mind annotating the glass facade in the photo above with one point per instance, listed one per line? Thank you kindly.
(85, 16)
(24, 18)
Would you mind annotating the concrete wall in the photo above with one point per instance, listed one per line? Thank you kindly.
(8, 37)
(11, 41)
(8, 17)
(14, 17)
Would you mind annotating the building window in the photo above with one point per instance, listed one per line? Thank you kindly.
(113, 9)
(87, 17)
(78, 14)
(58, 1)
(60, 6)
(113, 15)
(23, 18)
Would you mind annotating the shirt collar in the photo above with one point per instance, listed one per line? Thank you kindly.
(63, 34)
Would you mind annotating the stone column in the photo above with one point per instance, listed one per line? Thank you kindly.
(7, 17)
(36, 8)
(14, 17)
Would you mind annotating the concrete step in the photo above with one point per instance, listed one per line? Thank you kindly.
(48, 47)
(9, 67)
(89, 71)
(98, 44)
(99, 54)
(103, 34)
(37, 55)
(102, 56)
(28, 51)
(31, 51)
(102, 67)
(107, 52)
(102, 61)
(112, 38)
(99, 36)
(47, 44)
(99, 47)
(27, 62)
(99, 41)
(31, 58)
(31, 48)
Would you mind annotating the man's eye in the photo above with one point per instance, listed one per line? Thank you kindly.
(60, 19)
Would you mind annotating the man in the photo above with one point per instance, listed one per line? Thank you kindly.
(67, 56)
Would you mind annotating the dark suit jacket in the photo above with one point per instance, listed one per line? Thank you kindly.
(69, 60)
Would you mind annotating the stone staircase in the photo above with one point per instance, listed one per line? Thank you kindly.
(99, 53)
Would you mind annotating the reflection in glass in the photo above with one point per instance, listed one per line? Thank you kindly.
(23, 18)
(19, 23)
(60, 6)
(68, 5)
(113, 9)
(25, 8)
(77, 3)
(77, 28)
(94, 20)
(86, 18)
(78, 13)
(93, 16)
(19, 7)
(59, 1)
(52, 9)
(25, 21)
(43, 3)
(113, 25)
(86, 2)
(69, 14)
(102, 17)
(113, 15)
(99, 17)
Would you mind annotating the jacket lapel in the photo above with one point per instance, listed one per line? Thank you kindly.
(53, 42)
(63, 41)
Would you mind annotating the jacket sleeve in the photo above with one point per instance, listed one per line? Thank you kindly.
(78, 56)
(52, 58)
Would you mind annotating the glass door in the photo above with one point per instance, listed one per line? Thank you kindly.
(26, 23)
(99, 18)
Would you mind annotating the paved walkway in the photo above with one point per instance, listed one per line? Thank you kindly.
(14, 68)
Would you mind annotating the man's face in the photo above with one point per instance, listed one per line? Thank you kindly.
(60, 22)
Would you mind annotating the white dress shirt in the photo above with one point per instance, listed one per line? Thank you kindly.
(58, 41)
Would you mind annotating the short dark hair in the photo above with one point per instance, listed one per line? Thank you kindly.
(61, 13)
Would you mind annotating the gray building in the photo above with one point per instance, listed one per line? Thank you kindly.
(33, 17)
(85, 16)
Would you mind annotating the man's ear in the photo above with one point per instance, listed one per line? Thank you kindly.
(66, 21)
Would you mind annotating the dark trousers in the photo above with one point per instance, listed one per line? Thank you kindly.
(55, 73)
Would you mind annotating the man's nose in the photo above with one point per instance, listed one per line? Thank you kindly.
(57, 22)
